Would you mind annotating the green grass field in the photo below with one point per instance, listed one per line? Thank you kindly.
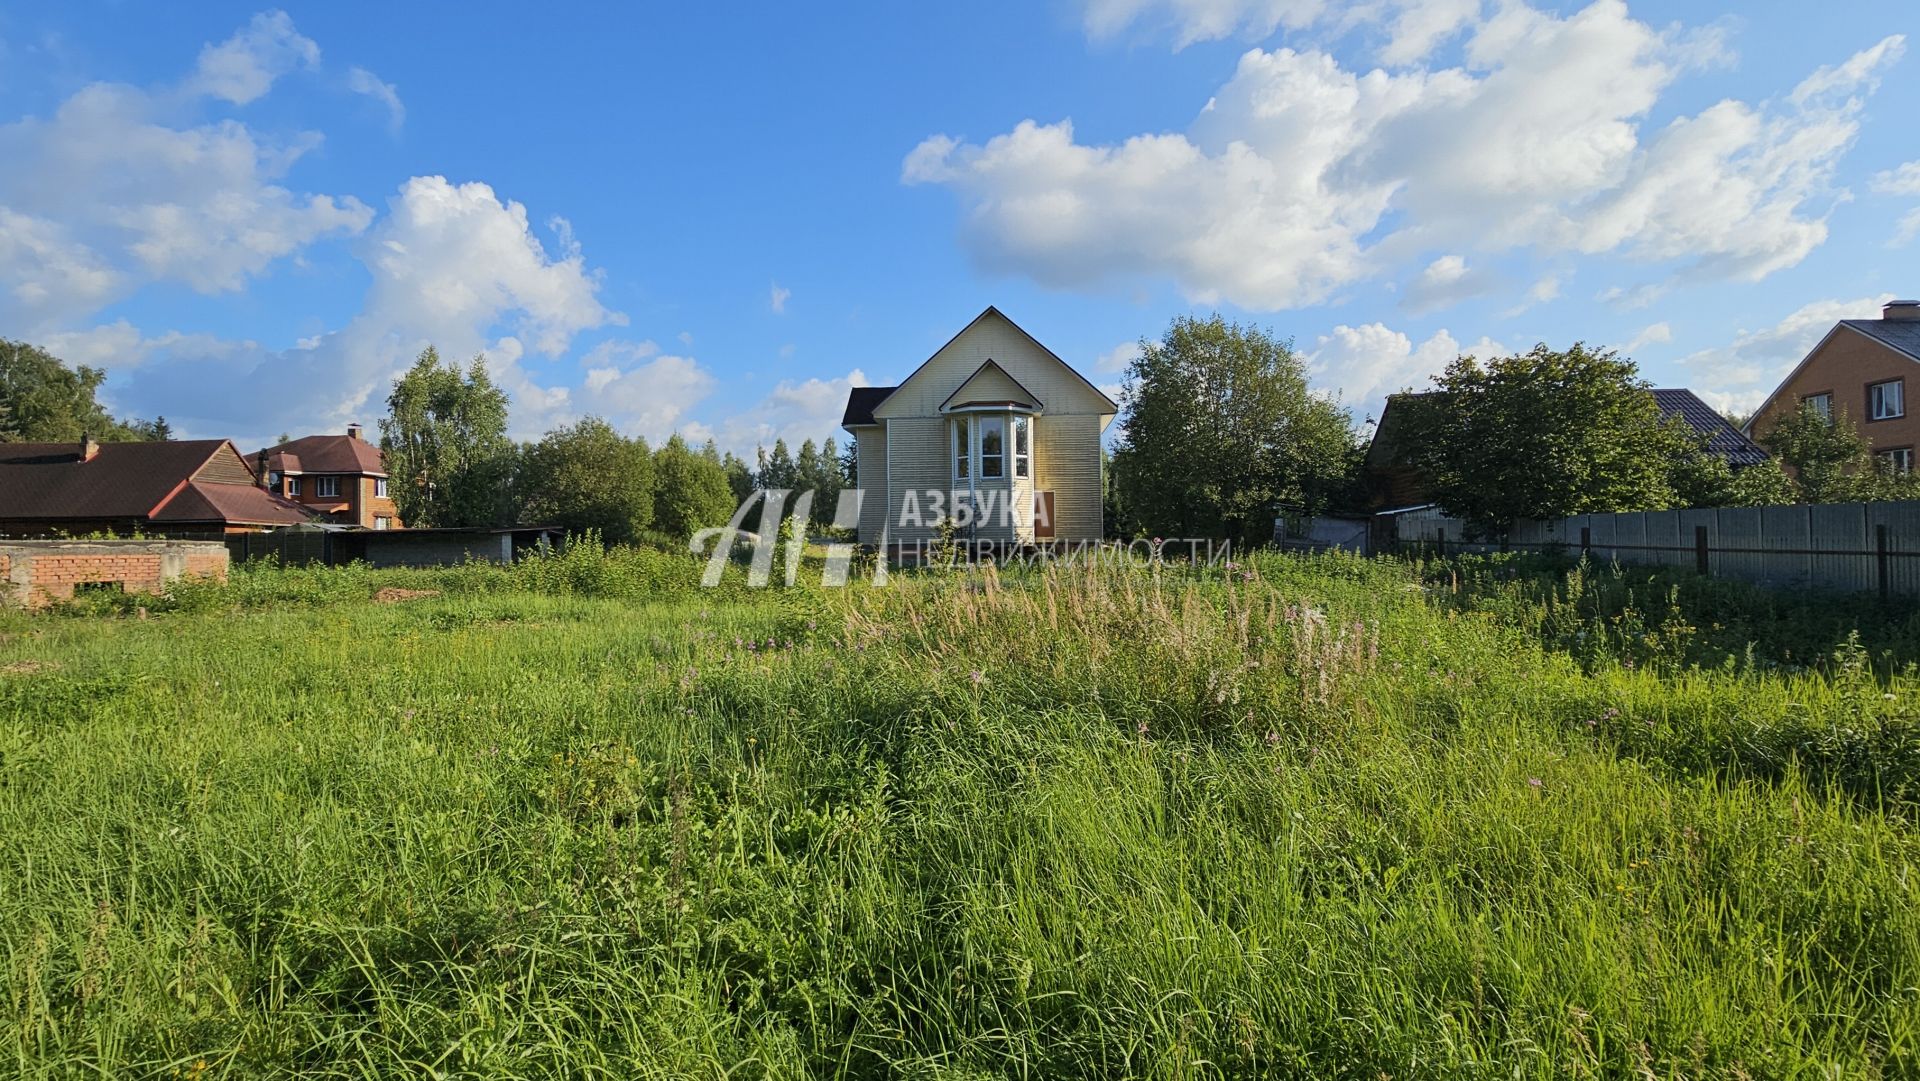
(1300, 817)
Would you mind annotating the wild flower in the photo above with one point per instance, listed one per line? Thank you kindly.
(1533, 783)
(978, 677)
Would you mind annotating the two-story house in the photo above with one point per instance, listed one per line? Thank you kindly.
(1859, 371)
(342, 477)
(993, 433)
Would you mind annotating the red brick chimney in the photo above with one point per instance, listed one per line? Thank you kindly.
(1901, 310)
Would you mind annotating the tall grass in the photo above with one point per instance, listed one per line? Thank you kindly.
(1294, 817)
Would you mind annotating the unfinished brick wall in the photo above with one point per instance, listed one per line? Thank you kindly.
(37, 573)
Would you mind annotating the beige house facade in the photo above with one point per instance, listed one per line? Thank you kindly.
(993, 433)
(1861, 371)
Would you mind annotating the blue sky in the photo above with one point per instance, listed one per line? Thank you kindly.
(714, 219)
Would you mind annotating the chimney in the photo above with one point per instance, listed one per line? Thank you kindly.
(1901, 311)
(353, 431)
(88, 448)
(260, 473)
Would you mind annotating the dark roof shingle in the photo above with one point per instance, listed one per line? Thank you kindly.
(52, 482)
(1901, 334)
(861, 402)
(1723, 439)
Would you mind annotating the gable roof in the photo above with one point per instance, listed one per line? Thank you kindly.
(996, 313)
(1723, 439)
(1900, 335)
(324, 454)
(861, 402)
(1017, 395)
(56, 482)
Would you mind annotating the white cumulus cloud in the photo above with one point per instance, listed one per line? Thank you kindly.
(1301, 176)
(244, 67)
(362, 81)
(1366, 363)
(1735, 377)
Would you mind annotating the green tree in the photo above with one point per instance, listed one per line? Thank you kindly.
(588, 476)
(778, 470)
(1543, 434)
(690, 491)
(156, 430)
(1700, 479)
(1830, 462)
(739, 477)
(1222, 431)
(445, 442)
(44, 401)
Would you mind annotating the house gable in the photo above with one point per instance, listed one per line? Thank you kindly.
(989, 386)
(1019, 357)
(1854, 337)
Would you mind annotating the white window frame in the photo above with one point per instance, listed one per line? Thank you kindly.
(326, 487)
(381, 521)
(1822, 404)
(1882, 405)
(962, 443)
(293, 485)
(379, 487)
(996, 462)
(1023, 447)
(1898, 460)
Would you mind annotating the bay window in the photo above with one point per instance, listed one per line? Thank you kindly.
(962, 452)
(1022, 446)
(993, 449)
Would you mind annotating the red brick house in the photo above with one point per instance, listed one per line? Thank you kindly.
(1859, 372)
(342, 477)
(190, 488)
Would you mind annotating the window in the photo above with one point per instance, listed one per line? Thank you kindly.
(1819, 403)
(379, 487)
(327, 487)
(293, 485)
(1887, 400)
(1022, 447)
(993, 447)
(381, 521)
(961, 451)
(1897, 460)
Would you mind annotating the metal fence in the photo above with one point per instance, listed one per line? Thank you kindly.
(1853, 547)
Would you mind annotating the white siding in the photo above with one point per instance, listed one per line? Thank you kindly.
(870, 445)
(995, 338)
(1066, 462)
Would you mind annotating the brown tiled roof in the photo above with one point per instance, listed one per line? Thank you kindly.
(324, 454)
(123, 480)
(237, 504)
(51, 482)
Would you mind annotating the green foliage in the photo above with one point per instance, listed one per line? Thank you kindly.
(1831, 462)
(1289, 817)
(1542, 434)
(588, 477)
(1701, 479)
(739, 477)
(690, 491)
(445, 443)
(44, 401)
(1222, 431)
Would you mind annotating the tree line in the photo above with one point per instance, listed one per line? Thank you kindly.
(451, 463)
(1223, 433)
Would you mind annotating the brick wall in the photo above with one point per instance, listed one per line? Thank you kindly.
(36, 573)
